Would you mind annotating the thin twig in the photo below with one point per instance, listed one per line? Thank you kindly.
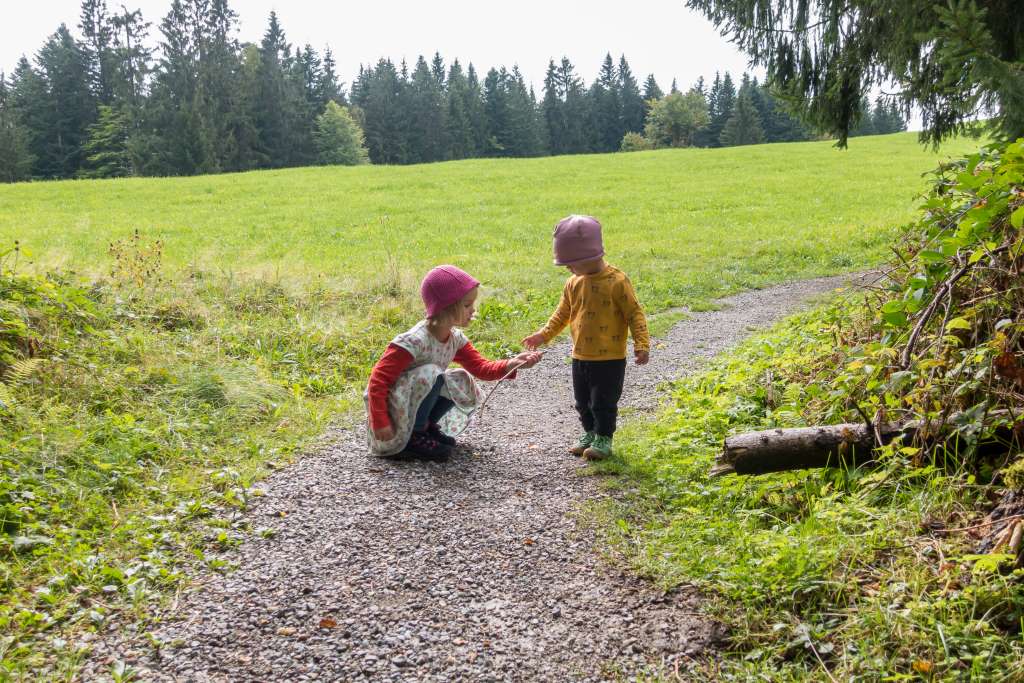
(945, 289)
(977, 526)
(867, 423)
(820, 661)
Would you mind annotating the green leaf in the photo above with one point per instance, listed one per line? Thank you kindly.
(899, 379)
(958, 324)
(929, 256)
(893, 306)
(988, 563)
(1017, 217)
(895, 318)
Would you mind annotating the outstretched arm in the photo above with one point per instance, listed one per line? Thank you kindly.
(559, 319)
(489, 370)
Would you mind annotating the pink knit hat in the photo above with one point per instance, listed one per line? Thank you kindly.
(577, 239)
(443, 286)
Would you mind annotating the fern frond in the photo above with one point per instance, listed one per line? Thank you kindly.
(21, 370)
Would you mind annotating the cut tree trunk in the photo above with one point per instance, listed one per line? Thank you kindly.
(843, 445)
(776, 450)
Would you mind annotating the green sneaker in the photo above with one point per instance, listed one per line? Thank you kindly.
(582, 444)
(599, 449)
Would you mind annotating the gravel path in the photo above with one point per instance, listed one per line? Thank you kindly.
(473, 570)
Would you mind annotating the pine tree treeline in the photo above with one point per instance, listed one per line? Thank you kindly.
(104, 105)
(723, 116)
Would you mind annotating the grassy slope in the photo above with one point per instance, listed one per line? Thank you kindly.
(686, 224)
(281, 287)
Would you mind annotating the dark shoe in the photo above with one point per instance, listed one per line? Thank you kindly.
(440, 437)
(426, 447)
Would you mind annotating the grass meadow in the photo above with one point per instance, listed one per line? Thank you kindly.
(688, 225)
(145, 390)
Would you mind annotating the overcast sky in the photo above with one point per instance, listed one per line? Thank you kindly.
(657, 36)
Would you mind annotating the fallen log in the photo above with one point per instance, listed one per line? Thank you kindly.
(843, 445)
(776, 450)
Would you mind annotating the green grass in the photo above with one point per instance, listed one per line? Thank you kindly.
(157, 404)
(687, 225)
(814, 570)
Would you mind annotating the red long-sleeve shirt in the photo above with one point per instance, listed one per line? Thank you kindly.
(396, 359)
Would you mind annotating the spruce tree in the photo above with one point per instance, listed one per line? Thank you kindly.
(524, 135)
(338, 139)
(29, 105)
(107, 153)
(496, 109)
(723, 95)
(15, 157)
(428, 131)
(651, 89)
(302, 104)
(744, 125)
(652, 93)
(131, 60)
(69, 105)
(574, 109)
(177, 142)
(97, 29)
(329, 88)
(437, 70)
(475, 110)
(459, 133)
(383, 101)
(632, 103)
(706, 136)
(951, 60)
(273, 100)
(220, 103)
(552, 109)
(605, 109)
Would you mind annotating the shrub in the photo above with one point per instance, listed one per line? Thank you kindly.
(635, 142)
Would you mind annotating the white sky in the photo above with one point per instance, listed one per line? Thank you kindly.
(657, 36)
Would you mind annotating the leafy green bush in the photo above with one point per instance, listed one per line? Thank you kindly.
(635, 142)
(947, 343)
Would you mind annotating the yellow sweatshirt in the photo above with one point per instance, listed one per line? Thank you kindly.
(599, 308)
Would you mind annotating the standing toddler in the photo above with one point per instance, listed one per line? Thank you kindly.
(599, 305)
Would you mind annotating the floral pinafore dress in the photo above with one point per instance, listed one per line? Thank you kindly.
(431, 359)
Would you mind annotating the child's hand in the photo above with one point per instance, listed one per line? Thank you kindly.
(527, 359)
(384, 433)
(533, 341)
(642, 356)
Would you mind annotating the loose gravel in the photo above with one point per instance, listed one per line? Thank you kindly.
(477, 569)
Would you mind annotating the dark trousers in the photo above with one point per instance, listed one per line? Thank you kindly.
(597, 387)
(433, 408)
